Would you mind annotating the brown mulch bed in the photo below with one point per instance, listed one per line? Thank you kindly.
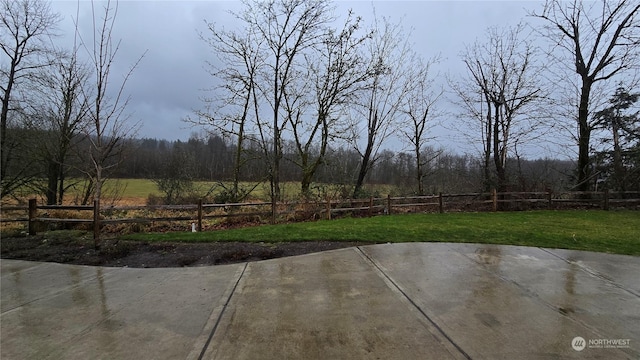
(119, 253)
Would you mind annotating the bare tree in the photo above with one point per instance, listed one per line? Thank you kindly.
(234, 112)
(598, 41)
(109, 125)
(25, 28)
(335, 72)
(502, 72)
(419, 108)
(288, 28)
(389, 57)
(61, 113)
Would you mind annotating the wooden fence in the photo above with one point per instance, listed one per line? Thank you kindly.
(298, 211)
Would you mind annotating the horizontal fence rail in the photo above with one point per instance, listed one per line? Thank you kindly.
(36, 214)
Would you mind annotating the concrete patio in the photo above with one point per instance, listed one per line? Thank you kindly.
(391, 301)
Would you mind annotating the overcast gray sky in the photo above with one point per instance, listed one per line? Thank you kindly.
(168, 83)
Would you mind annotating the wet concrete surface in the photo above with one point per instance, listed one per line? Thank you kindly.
(390, 301)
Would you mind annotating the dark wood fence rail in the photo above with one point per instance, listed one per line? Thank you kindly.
(493, 201)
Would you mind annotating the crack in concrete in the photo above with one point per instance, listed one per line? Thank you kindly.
(224, 307)
(415, 305)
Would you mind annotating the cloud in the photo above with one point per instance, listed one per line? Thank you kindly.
(169, 81)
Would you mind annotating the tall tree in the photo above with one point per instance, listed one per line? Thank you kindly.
(420, 109)
(61, 115)
(25, 28)
(288, 28)
(623, 124)
(109, 125)
(335, 72)
(389, 56)
(502, 70)
(233, 110)
(598, 41)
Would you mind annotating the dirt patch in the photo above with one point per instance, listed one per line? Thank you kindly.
(119, 253)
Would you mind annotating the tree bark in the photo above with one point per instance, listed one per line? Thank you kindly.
(419, 170)
(52, 182)
(488, 141)
(584, 137)
(364, 168)
(5, 152)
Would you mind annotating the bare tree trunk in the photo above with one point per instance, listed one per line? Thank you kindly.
(305, 184)
(365, 164)
(419, 170)
(88, 191)
(61, 188)
(600, 43)
(99, 180)
(584, 139)
(487, 146)
(25, 23)
(53, 174)
(498, 158)
(108, 122)
(236, 167)
(275, 170)
(5, 113)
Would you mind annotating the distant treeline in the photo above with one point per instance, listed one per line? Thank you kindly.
(212, 159)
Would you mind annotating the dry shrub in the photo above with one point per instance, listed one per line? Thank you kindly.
(64, 214)
(125, 228)
(241, 220)
(153, 200)
(132, 201)
(174, 226)
(13, 229)
(306, 211)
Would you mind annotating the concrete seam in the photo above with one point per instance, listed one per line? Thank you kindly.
(224, 307)
(424, 314)
(592, 272)
(533, 295)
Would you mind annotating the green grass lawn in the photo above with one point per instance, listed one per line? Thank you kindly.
(602, 231)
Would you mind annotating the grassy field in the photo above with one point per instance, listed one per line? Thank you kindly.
(612, 232)
(141, 188)
(137, 191)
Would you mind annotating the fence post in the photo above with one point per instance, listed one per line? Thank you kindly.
(606, 199)
(389, 204)
(440, 204)
(96, 223)
(370, 206)
(494, 199)
(199, 215)
(550, 200)
(32, 215)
